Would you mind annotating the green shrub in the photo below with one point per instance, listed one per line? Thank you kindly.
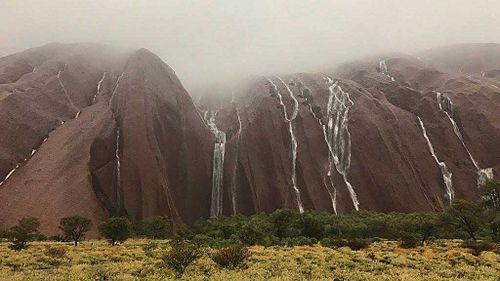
(477, 247)
(180, 256)
(409, 240)
(55, 252)
(251, 234)
(74, 228)
(298, 241)
(25, 230)
(116, 229)
(149, 248)
(358, 244)
(231, 257)
(55, 255)
(333, 243)
(203, 240)
(156, 227)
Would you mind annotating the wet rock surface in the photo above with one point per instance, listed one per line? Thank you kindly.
(91, 131)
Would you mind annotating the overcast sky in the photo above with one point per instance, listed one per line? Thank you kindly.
(212, 41)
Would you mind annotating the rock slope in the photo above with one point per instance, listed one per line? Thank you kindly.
(91, 131)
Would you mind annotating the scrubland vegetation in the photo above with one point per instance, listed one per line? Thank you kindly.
(460, 243)
(385, 260)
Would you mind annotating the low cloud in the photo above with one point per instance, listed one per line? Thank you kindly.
(218, 42)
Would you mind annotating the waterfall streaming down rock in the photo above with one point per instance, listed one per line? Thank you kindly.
(382, 66)
(332, 193)
(236, 155)
(66, 94)
(33, 151)
(293, 140)
(327, 176)
(337, 134)
(484, 175)
(98, 88)
(446, 105)
(118, 165)
(10, 174)
(218, 164)
(445, 172)
(115, 88)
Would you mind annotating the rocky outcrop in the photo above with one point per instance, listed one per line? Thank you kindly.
(355, 138)
(95, 132)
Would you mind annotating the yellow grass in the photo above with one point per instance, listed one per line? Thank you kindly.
(92, 260)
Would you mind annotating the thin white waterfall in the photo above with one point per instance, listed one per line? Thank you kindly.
(10, 174)
(115, 88)
(290, 120)
(66, 94)
(118, 165)
(327, 180)
(333, 194)
(446, 105)
(98, 87)
(445, 172)
(382, 65)
(236, 155)
(484, 175)
(337, 134)
(33, 151)
(218, 164)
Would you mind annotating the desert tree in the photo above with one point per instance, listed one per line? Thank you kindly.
(156, 227)
(464, 216)
(75, 227)
(115, 229)
(25, 230)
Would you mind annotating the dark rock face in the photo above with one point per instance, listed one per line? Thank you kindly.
(90, 131)
(98, 134)
(391, 165)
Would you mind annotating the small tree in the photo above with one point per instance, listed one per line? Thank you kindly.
(465, 216)
(74, 227)
(181, 256)
(55, 255)
(494, 227)
(156, 227)
(252, 232)
(115, 229)
(286, 222)
(490, 193)
(231, 257)
(25, 230)
(421, 226)
(313, 226)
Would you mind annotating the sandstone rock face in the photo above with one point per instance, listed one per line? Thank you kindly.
(90, 132)
(87, 130)
(375, 156)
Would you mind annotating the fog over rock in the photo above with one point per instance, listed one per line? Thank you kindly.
(195, 109)
(219, 42)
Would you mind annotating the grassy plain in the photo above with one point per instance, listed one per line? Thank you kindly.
(96, 260)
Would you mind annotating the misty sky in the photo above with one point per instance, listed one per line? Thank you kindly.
(215, 41)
